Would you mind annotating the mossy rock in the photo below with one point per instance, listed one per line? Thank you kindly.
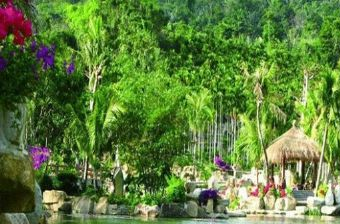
(17, 185)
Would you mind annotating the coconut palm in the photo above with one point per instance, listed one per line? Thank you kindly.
(329, 93)
(93, 132)
(267, 111)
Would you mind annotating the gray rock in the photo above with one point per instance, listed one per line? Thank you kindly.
(53, 196)
(269, 201)
(210, 206)
(102, 206)
(146, 210)
(236, 214)
(220, 209)
(66, 208)
(280, 204)
(329, 198)
(330, 210)
(224, 202)
(83, 205)
(173, 210)
(254, 203)
(13, 218)
(301, 210)
(36, 216)
(313, 202)
(118, 210)
(17, 184)
(290, 203)
(190, 186)
(191, 209)
(337, 194)
(201, 213)
(53, 199)
(197, 192)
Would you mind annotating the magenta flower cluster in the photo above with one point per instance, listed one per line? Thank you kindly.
(39, 155)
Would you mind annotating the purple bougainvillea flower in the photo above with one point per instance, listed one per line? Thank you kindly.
(39, 155)
(221, 164)
(33, 46)
(70, 68)
(46, 55)
(205, 195)
(3, 64)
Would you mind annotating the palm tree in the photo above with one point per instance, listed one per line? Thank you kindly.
(200, 113)
(329, 94)
(94, 56)
(94, 131)
(267, 110)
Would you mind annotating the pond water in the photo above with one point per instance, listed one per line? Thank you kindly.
(248, 220)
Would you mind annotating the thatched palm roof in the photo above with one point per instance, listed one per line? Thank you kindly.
(292, 146)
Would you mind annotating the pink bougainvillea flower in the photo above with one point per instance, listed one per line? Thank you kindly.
(26, 28)
(13, 17)
(19, 39)
(3, 31)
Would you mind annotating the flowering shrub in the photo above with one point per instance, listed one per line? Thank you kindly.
(22, 60)
(205, 195)
(39, 156)
(13, 21)
(221, 164)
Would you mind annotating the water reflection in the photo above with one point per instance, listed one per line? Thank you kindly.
(248, 220)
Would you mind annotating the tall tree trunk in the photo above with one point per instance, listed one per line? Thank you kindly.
(86, 167)
(215, 134)
(322, 154)
(259, 131)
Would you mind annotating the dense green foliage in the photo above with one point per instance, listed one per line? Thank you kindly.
(152, 74)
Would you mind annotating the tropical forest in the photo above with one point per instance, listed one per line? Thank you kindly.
(169, 111)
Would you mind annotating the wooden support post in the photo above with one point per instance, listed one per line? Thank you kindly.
(283, 177)
(315, 174)
(303, 173)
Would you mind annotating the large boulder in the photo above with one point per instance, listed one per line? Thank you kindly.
(53, 199)
(147, 210)
(13, 218)
(53, 196)
(220, 209)
(83, 205)
(329, 198)
(102, 206)
(17, 184)
(173, 210)
(36, 216)
(66, 208)
(280, 204)
(290, 203)
(210, 206)
(330, 210)
(337, 194)
(313, 202)
(269, 202)
(190, 186)
(254, 203)
(191, 208)
(118, 210)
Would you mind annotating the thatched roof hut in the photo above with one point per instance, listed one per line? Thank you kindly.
(293, 145)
